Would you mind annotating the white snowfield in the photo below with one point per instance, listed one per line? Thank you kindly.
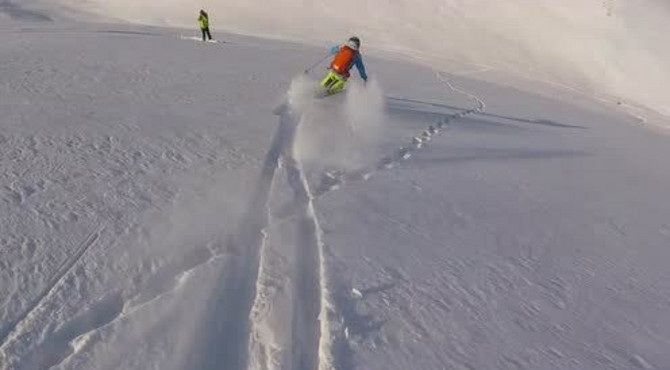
(615, 49)
(172, 204)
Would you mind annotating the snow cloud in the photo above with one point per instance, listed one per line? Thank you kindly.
(337, 132)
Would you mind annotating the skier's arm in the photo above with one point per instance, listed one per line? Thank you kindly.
(334, 49)
(358, 62)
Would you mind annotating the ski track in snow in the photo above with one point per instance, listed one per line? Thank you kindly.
(338, 346)
(330, 181)
(306, 335)
(234, 297)
(59, 345)
(56, 347)
(312, 301)
(311, 335)
(314, 344)
(239, 293)
(306, 304)
(15, 328)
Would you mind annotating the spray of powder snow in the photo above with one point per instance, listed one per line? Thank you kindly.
(340, 131)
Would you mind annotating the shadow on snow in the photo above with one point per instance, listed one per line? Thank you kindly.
(420, 107)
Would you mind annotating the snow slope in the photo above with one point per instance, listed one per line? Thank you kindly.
(614, 49)
(163, 205)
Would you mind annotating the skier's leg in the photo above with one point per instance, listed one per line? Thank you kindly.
(325, 80)
(203, 34)
(337, 86)
(209, 34)
(325, 83)
(328, 80)
(333, 83)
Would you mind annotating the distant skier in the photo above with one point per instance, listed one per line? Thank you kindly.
(203, 21)
(346, 56)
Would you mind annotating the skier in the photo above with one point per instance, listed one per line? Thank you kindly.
(203, 20)
(346, 56)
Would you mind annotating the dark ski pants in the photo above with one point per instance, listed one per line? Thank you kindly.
(205, 31)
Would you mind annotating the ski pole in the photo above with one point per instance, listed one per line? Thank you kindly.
(316, 64)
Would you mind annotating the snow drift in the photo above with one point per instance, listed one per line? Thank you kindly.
(606, 47)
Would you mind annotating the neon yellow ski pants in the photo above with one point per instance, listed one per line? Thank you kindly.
(333, 83)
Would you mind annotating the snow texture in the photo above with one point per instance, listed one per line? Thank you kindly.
(172, 204)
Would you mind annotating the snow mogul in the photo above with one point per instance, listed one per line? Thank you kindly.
(346, 56)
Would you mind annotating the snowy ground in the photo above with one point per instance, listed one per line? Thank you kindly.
(161, 209)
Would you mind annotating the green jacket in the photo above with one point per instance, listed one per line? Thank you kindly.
(203, 21)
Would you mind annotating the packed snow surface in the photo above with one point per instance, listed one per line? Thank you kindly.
(172, 204)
